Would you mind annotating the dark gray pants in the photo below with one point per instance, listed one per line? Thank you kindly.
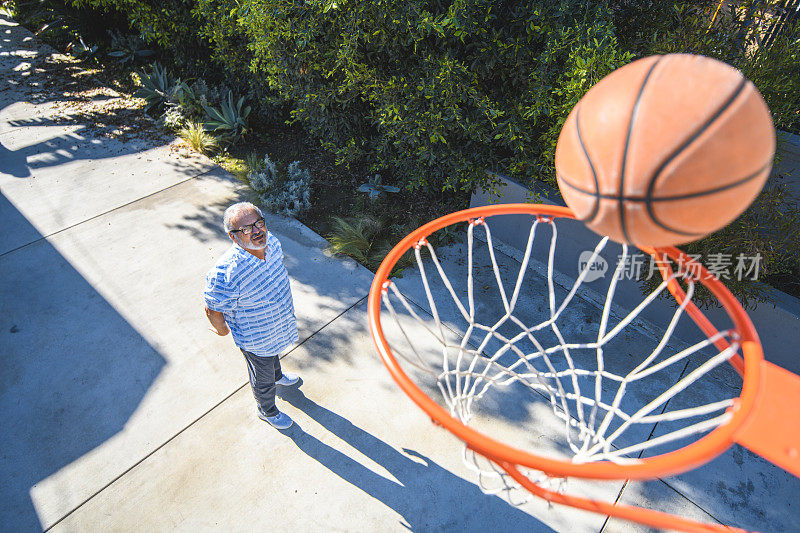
(264, 372)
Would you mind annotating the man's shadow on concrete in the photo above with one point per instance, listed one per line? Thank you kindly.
(428, 496)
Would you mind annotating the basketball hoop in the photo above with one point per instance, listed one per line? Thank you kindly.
(595, 425)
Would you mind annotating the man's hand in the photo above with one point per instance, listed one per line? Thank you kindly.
(218, 324)
(220, 333)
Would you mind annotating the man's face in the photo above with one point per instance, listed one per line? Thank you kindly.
(257, 239)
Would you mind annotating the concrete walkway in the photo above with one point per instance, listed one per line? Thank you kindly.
(121, 411)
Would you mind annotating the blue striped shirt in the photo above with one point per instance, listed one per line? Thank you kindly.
(255, 298)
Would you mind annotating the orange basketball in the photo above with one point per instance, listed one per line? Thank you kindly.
(665, 150)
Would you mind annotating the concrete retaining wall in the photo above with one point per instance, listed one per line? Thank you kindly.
(788, 160)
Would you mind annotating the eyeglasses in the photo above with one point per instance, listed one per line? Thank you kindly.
(248, 229)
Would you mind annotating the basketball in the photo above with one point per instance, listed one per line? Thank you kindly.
(665, 150)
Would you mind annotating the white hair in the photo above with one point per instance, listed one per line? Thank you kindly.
(234, 210)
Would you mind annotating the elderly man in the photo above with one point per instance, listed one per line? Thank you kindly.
(247, 293)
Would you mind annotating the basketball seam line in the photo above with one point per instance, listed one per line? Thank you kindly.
(596, 207)
(627, 145)
(707, 124)
(672, 198)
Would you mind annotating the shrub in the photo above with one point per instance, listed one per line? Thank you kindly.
(435, 93)
(63, 25)
(198, 138)
(367, 239)
(356, 237)
(430, 93)
(287, 194)
(168, 24)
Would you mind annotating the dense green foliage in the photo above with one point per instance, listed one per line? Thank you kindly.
(430, 93)
(434, 92)
(734, 35)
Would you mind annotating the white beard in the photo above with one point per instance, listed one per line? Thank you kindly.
(251, 245)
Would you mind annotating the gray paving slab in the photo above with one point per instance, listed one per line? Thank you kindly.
(664, 498)
(737, 488)
(21, 57)
(360, 457)
(107, 350)
(57, 176)
(17, 42)
(16, 113)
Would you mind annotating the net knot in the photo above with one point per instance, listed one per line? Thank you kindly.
(420, 243)
(477, 221)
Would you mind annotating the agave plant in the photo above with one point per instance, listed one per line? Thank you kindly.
(229, 118)
(82, 51)
(158, 87)
(375, 188)
(128, 49)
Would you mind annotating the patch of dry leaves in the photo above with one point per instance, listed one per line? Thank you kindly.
(79, 97)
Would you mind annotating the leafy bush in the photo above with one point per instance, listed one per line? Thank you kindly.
(286, 193)
(168, 24)
(431, 93)
(735, 34)
(434, 93)
(62, 26)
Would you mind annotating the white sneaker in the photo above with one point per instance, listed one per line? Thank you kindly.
(279, 421)
(288, 379)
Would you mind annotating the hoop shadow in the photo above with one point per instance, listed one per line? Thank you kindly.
(74, 371)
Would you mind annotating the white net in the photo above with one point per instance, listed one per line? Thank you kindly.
(606, 405)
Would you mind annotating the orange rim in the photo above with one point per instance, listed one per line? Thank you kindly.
(695, 454)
